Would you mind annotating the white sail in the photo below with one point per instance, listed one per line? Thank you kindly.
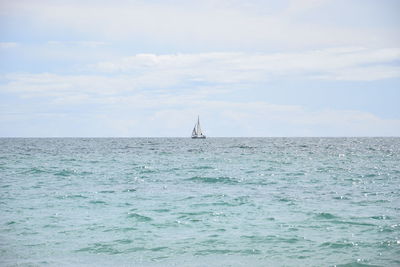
(197, 132)
(194, 132)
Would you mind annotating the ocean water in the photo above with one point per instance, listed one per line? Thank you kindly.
(212, 202)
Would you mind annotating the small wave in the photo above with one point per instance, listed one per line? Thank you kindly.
(228, 252)
(65, 173)
(213, 180)
(389, 228)
(144, 171)
(337, 244)
(369, 202)
(203, 167)
(158, 248)
(326, 216)
(224, 203)
(187, 198)
(161, 210)
(139, 218)
(356, 264)
(353, 223)
(194, 150)
(97, 202)
(34, 170)
(68, 160)
(381, 217)
(123, 241)
(107, 191)
(369, 175)
(120, 229)
(250, 251)
(71, 196)
(135, 249)
(194, 213)
(341, 198)
(214, 251)
(295, 174)
(242, 200)
(130, 190)
(243, 146)
(271, 238)
(172, 170)
(99, 248)
(51, 226)
(258, 239)
(220, 203)
(246, 147)
(129, 147)
(290, 240)
(389, 243)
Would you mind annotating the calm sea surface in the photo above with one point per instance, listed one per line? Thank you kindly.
(213, 202)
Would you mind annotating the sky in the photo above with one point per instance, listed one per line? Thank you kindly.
(148, 68)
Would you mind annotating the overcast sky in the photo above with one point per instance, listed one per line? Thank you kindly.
(248, 68)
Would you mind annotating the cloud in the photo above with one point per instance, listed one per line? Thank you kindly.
(96, 105)
(336, 64)
(6, 45)
(147, 68)
(222, 24)
(203, 74)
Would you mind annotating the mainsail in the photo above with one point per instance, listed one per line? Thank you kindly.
(199, 132)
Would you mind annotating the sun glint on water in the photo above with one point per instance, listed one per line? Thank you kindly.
(211, 202)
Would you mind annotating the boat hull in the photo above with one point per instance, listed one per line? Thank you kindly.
(199, 137)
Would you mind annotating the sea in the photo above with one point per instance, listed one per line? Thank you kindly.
(209, 202)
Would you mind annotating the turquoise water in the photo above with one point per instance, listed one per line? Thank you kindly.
(213, 202)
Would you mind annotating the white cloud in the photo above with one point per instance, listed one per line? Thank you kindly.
(336, 64)
(203, 74)
(112, 106)
(160, 94)
(232, 24)
(5, 45)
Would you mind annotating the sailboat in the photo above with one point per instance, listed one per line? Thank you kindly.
(197, 133)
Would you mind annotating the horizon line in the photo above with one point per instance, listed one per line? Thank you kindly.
(188, 137)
